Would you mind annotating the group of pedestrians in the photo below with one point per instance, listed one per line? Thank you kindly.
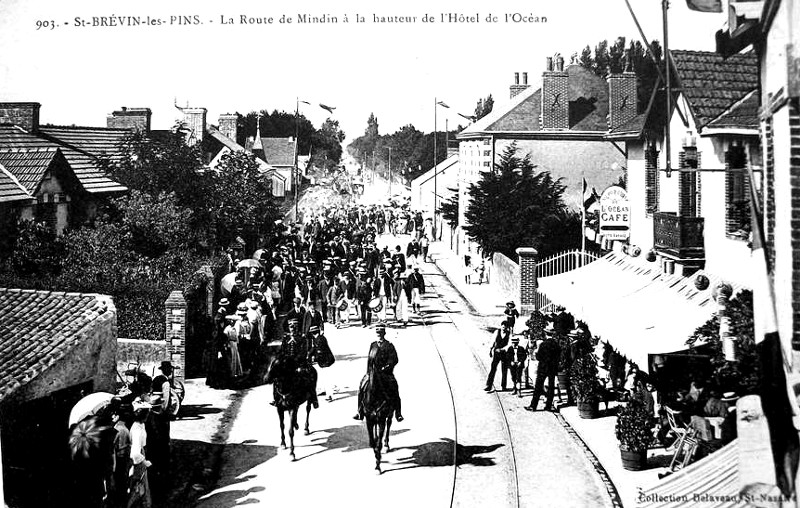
(539, 359)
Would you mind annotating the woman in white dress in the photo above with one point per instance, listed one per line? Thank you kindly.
(402, 295)
(139, 494)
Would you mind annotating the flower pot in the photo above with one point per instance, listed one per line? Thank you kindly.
(588, 410)
(633, 461)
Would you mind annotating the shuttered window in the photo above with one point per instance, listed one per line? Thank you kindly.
(651, 179)
(737, 195)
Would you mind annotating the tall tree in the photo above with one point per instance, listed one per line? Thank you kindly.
(516, 205)
(484, 107)
(449, 208)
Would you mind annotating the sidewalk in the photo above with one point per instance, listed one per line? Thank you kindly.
(596, 435)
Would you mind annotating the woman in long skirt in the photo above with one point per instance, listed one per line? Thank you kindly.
(139, 491)
(232, 334)
(401, 298)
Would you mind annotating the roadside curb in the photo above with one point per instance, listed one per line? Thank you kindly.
(613, 494)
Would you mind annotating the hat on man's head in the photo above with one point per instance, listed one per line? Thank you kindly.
(166, 366)
(575, 332)
(294, 322)
(729, 397)
(314, 329)
(224, 302)
(241, 309)
(511, 304)
(514, 339)
(560, 307)
(549, 329)
(380, 328)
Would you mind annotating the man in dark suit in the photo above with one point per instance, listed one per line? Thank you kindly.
(548, 355)
(399, 258)
(498, 355)
(297, 312)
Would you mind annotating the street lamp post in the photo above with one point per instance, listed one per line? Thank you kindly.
(436, 104)
(390, 172)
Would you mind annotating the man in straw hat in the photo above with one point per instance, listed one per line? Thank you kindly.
(548, 354)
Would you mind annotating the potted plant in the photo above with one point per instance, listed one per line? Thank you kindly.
(634, 435)
(583, 380)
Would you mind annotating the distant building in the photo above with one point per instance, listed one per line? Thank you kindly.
(561, 125)
(59, 168)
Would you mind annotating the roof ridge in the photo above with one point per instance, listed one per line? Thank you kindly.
(86, 127)
(35, 149)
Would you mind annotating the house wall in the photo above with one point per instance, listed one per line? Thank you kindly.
(53, 188)
(782, 195)
(422, 188)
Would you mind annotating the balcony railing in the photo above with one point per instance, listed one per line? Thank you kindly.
(677, 236)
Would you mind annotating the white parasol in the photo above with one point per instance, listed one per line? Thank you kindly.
(89, 406)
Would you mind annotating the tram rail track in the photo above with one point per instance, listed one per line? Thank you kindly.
(442, 280)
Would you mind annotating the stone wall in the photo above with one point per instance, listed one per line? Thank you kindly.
(505, 273)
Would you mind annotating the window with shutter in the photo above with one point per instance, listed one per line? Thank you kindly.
(737, 193)
(688, 158)
(651, 179)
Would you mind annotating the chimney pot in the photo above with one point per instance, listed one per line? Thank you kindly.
(560, 64)
(524, 78)
(549, 63)
(516, 78)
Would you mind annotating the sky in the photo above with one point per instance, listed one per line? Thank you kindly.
(201, 54)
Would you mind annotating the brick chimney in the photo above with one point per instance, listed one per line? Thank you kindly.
(228, 125)
(195, 120)
(621, 97)
(555, 95)
(22, 114)
(133, 118)
(518, 87)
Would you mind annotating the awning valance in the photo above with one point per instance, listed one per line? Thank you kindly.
(629, 303)
(709, 482)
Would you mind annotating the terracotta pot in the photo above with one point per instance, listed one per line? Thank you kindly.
(633, 461)
(588, 410)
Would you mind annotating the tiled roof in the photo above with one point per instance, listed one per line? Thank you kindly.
(28, 165)
(10, 188)
(278, 151)
(37, 328)
(588, 107)
(78, 145)
(742, 115)
(711, 83)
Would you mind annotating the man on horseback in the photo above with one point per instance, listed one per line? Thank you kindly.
(296, 352)
(380, 371)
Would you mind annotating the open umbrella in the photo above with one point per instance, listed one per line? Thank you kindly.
(86, 439)
(227, 283)
(88, 406)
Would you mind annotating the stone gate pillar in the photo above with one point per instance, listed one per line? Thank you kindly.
(528, 257)
(176, 332)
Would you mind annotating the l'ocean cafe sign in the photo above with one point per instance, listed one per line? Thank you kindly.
(615, 216)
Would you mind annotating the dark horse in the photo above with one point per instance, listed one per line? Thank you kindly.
(378, 407)
(292, 384)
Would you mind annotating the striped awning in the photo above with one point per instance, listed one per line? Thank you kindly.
(712, 482)
(631, 304)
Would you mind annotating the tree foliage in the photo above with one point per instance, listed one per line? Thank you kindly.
(741, 376)
(449, 208)
(610, 59)
(484, 107)
(515, 205)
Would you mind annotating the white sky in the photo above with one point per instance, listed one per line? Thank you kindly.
(79, 75)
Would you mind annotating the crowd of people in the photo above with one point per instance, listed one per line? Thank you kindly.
(332, 270)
